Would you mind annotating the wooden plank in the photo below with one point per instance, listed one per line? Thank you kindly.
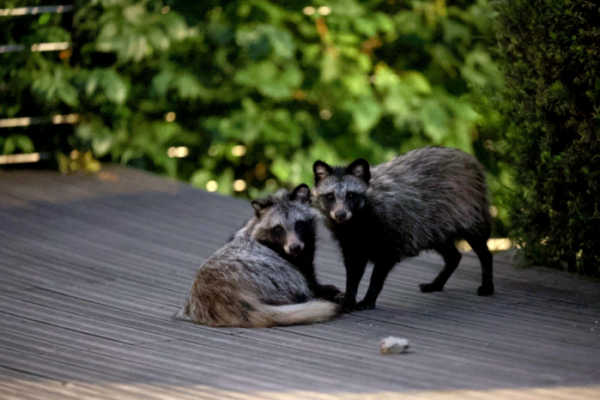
(143, 364)
(46, 186)
(81, 324)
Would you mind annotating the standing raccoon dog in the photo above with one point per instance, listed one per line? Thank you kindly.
(248, 283)
(425, 199)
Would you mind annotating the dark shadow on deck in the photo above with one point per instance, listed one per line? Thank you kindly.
(90, 279)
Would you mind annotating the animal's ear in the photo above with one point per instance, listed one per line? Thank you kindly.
(301, 193)
(260, 206)
(360, 168)
(321, 170)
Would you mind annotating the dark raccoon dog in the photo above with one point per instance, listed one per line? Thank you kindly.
(250, 282)
(425, 199)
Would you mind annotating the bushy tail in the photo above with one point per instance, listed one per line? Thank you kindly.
(184, 313)
(294, 314)
(251, 313)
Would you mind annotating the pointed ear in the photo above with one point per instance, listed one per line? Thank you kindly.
(301, 193)
(260, 205)
(321, 171)
(359, 168)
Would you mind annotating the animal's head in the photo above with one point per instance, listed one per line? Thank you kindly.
(341, 192)
(285, 221)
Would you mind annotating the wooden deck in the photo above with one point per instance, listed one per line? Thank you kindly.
(91, 271)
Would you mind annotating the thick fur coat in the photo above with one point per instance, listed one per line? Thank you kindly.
(259, 279)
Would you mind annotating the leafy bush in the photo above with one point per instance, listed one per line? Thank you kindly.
(552, 109)
(288, 81)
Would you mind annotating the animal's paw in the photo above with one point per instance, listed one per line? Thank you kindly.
(430, 287)
(364, 305)
(485, 290)
(339, 298)
(328, 292)
(346, 304)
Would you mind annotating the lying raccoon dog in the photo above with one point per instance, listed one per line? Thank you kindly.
(425, 199)
(259, 279)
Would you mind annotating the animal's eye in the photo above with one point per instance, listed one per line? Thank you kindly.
(329, 197)
(300, 225)
(278, 230)
(350, 195)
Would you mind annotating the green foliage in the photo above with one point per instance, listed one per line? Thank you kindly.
(552, 109)
(337, 80)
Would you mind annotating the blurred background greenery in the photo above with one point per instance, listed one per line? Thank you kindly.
(242, 96)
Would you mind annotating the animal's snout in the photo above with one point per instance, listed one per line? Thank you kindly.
(341, 215)
(295, 249)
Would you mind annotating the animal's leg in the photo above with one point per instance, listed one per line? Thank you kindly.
(479, 245)
(380, 272)
(327, 292)
(451, 259)
(355, 268)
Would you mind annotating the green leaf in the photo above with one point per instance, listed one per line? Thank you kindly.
(329, 68)
(165, 131)
(25, 144)
(260, 40)
(269, 80)
(365, 27)
(68, 94)
(114, 86)
(435, 121)
(417, 82)
(44, 18)
(101, 147)
(162, 81)
(189, 87)
(10, 144)
(366, 113)
(200, 178)
(135, 13)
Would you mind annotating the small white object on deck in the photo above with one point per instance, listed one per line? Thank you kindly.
(393, 345)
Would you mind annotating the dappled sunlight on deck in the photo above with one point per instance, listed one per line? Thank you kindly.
(14, 389)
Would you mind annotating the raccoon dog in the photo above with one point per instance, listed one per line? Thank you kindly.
(424, 199)
(254, 281)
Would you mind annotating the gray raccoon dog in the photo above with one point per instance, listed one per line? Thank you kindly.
(425, 199)
(248, 283)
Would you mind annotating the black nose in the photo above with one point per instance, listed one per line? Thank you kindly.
(295, 249)
(340, 215)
